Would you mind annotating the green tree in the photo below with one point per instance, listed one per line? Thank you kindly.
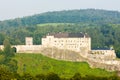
(12, 65)
(77, 76)
(2, 37)
(7, 48)
(8, 57)
(52, 76)
(40, 77)
(5, 74)
(27, 76)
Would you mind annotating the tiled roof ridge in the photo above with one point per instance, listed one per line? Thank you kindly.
(68, 35)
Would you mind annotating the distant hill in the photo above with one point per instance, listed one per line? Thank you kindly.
(69, 16)
(102, 25)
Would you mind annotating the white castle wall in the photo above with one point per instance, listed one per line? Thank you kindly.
(82, 44)
(77, 44)
(25, 48)
(28, 48)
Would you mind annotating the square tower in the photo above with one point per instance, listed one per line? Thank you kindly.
(29, 41)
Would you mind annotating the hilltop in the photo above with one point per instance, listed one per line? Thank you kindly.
(103, 26)
(67, 16)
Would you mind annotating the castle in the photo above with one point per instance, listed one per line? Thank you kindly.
(70, 47)
(78, 42)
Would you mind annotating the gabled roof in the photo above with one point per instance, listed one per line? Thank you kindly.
(68, 35)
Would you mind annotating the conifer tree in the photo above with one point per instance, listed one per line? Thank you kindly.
(7, 48)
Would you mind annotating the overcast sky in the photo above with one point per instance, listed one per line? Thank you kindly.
(10, 9)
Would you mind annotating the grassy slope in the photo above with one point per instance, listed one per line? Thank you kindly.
(37, 63)
(54, 24)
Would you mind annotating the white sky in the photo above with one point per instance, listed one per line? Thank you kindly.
(10, 9)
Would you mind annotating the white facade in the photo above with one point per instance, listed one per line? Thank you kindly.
(70, 43)
(81, 44)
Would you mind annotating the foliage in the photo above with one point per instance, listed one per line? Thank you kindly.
(12, 65)
(2, 37)
(76, 76)
(27, 76)
(102, 26)
(5, 74)
(7, 47)
(6, 57)
(40, 77)
(103, 35)
(70, 16)
(37, 67)
(52, 76)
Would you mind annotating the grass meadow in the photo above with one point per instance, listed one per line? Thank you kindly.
(39, 64)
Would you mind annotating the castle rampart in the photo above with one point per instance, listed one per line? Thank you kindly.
(76, 42)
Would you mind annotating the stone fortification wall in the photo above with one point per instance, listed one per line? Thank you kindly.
(102, 54)
(67, 55)
(28, 48)
(25, 48)
(71, 47)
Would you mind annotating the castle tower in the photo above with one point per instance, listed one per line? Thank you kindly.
(29, 41)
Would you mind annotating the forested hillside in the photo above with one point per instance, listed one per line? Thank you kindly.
(70, 16)
(103, 26)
